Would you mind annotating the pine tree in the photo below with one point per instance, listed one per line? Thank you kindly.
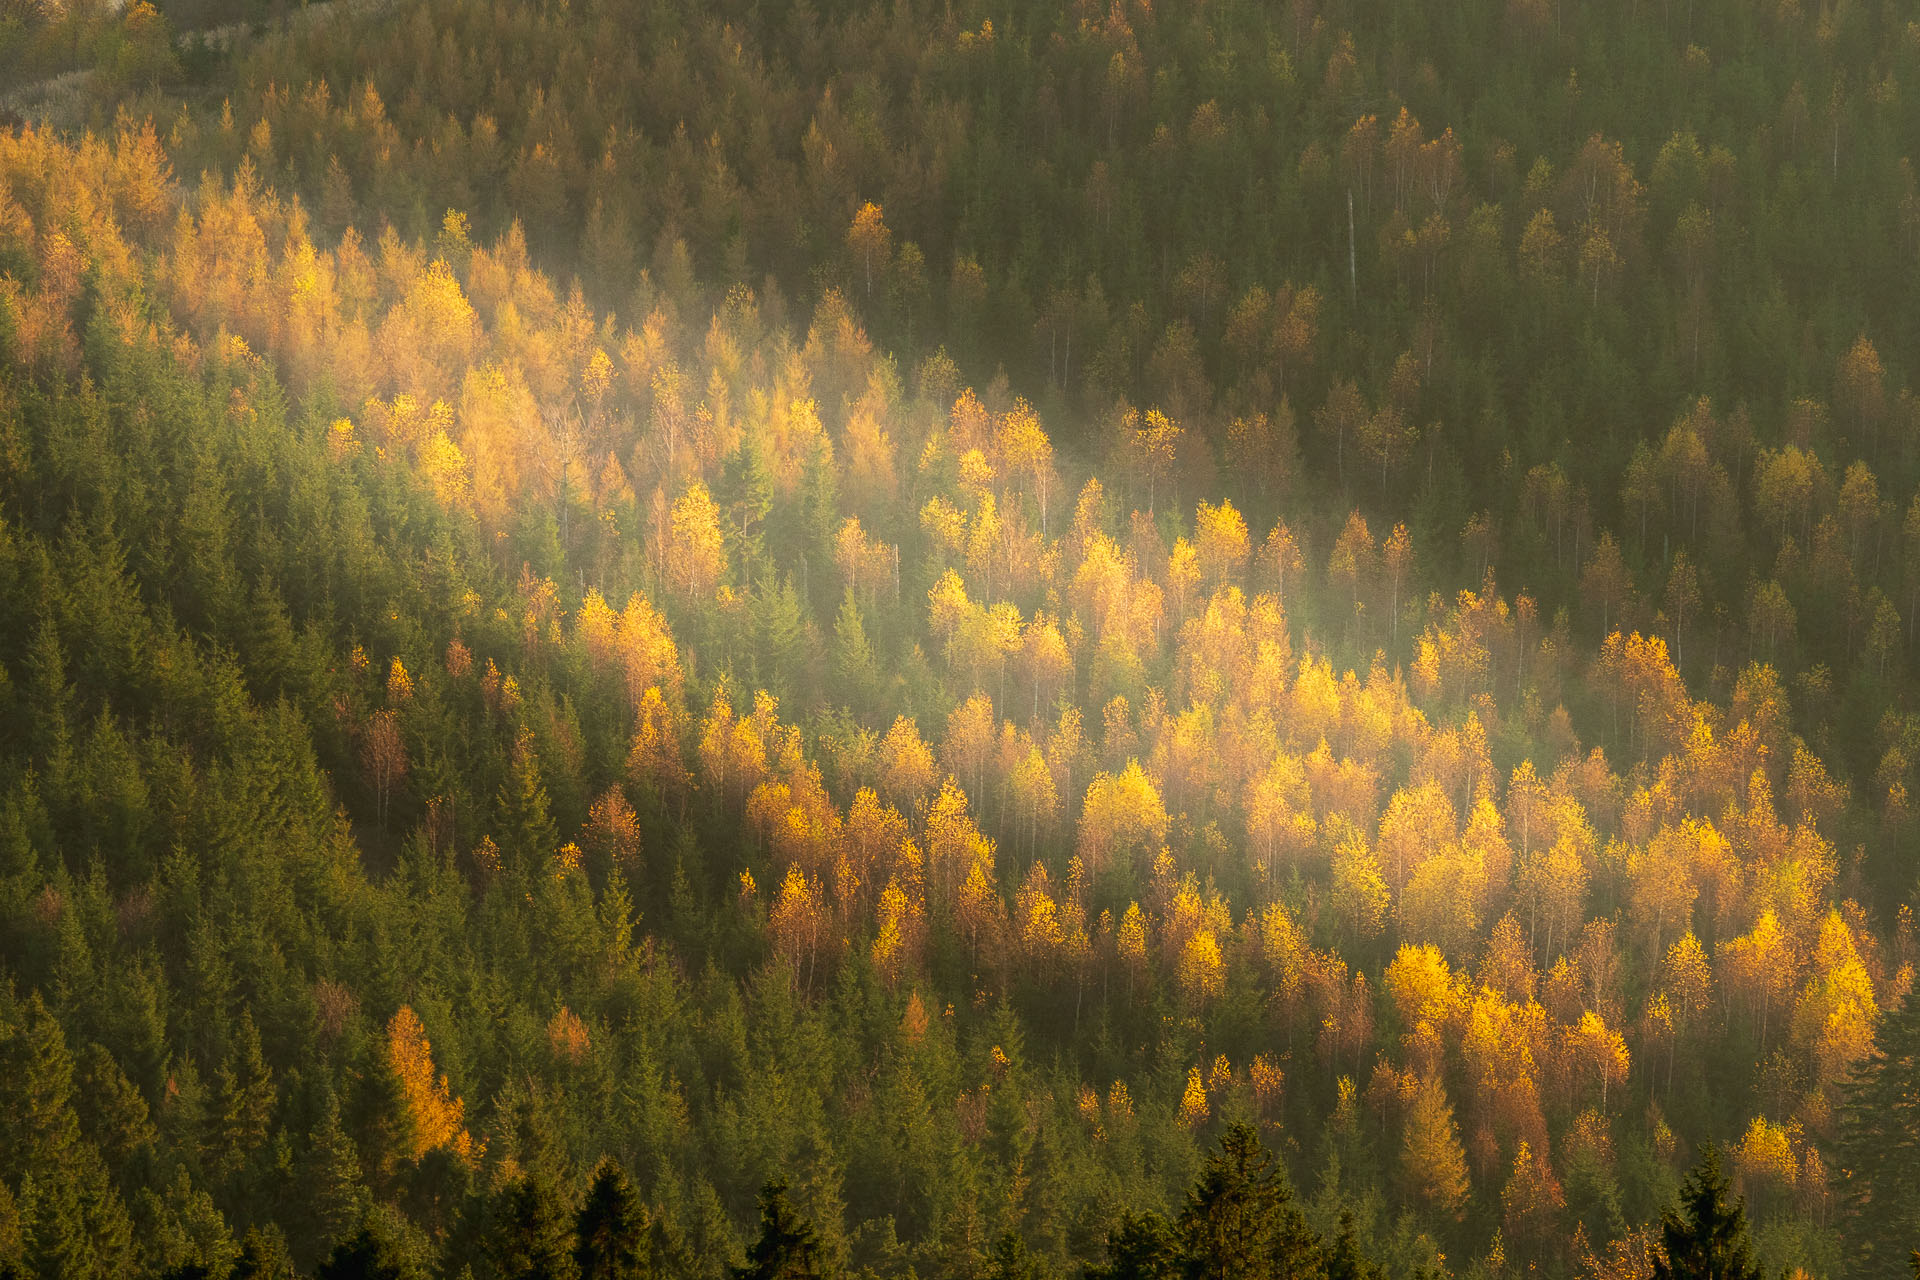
(611, 1232)
(1710, 1241)
(788, 1248)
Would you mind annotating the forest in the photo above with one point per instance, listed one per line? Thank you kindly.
(901, 641)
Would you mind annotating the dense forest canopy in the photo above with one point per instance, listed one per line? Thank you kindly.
(892, 640)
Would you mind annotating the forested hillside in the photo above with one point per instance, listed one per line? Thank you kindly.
(892, 640)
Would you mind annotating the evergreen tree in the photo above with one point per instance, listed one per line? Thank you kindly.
(853, 665)
(381, 1250)
(1140, 1247)
(745, 490)
(1010, 1260)
(113, 1114)
(334, 1194)
(1878, 1151)
(532, 1235)
(41, 1130)
(244, 1103)
(526, 833)
(781, 633)
(263, 1256)
(610, 1235)
(364, 1257)
(1240, 1220)
(76, 1223)
(1705, 1236)
(49, 698)
(1345, 1261)
(13, 1243)
(788, 1248)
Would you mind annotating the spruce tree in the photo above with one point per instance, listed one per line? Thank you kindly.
(77, 1223)
(244, 1100)
(113, 1114)
(788, 1248)
(263, 1256)
(781, 635)
(533, 1233)
(1704, 1237)
(610, 1235)
(1240, 1222)
(526, 832)
(385, 1248)
(745, 489)
(335, 1196)
(853, 666)
(1877, 1156)
(1345, 1261)
(1140, 1247)
(1010, 1260)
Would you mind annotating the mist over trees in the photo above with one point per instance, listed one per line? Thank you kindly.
(908, 640)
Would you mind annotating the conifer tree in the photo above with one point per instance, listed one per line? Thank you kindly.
(1877, 1155)
(263, 1256)
(853, 665)
(780, 634)
(1140, 1247)
(13, 1242)
(1432, 1159)
(244, 1107)
(526, 833)
(610, 1235)
(377, 1252)
(746, 491)
(114, 1115)
(788, 1247)
(334, 1194)
(1345, 1261)
(1240, 1220)
(1010, 1260)
(1704, 1237)
(532, 1236)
